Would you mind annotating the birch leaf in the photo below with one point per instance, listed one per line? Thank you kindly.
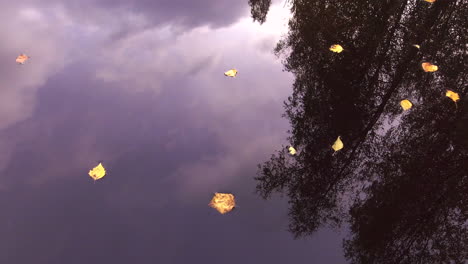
(22, 58)
(97, 172)
(406, 104)
(336, 48)
(292, 151)
(338, 144)
(452, 95)
(223, 202)
(231, 73)
(429, 67)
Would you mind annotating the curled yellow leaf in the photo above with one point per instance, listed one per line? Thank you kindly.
(429, 67)
(452, 95)
(336, 48)
(231, 73)
(97, 172)
(338, 144)
(22, 58)
(406, 104)
(292, 151)
(223, 202)
(417, 46)
(430, 1)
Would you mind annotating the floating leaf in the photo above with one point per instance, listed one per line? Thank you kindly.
(231, 73)
(452, 95)
(336, 48)
(292, 151)
(406, 104)
(417, 46)
(429, 67)
(22, 58)
(338, 144)
(223, 202)
(97, 172)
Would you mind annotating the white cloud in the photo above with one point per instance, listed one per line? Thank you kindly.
(25, 33)
(40, 34)
(230, 107)
(148, 58)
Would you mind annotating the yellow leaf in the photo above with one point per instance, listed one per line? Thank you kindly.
(223, 202)
(22, 58)
(338, 144)
(231, 73)
(430, 1)
(292, 151)
(406, 104)
(452, 95)
(417, 46)
(336, 48)
(429, 67)
(97, 172)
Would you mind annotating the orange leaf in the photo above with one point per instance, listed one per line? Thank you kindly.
(223, 202)
(22, 58)
(429, 67)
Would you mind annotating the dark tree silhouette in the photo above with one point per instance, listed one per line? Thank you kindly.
(259, 9)
(401, 178)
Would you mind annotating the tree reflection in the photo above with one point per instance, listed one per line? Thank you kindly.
(401, 179)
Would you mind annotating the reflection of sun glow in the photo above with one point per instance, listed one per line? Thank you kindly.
(275, 24)
(30, 14)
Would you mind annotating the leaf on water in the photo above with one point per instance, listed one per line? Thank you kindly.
(452, 95)
(429, 67)
(231, 73)
(22, 58)
(223, 202)
(338, 144)
(336, 48)
(97, 172)
(292, 151)
(406, 104)
(417, 46)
